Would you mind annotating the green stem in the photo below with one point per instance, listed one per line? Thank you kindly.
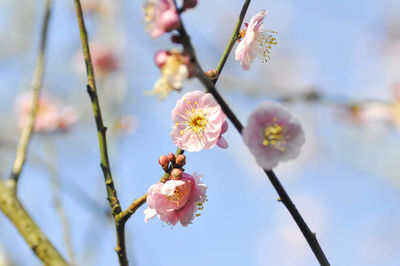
(101, 134)
(233, 39)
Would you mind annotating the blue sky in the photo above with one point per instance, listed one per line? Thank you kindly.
(345, 182)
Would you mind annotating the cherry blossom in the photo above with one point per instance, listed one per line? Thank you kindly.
(176, 200)
(198, 122)
(254, 42)
(273, 135)
(175, 68)
(50, 115)
(161, 16)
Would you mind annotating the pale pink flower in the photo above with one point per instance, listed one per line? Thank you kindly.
(161, 16)
(273, 135)
(175, 68)
(254, 42)
(176, 200)
(198, 122)
(50, 115)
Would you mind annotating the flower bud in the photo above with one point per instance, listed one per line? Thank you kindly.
(171, 157)
(212, 74)
(176, 174)
(170, 20)
(160, 58)
(180, 160)
(163, 161)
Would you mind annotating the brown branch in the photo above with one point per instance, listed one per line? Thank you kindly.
(30, 231)
(285, 199)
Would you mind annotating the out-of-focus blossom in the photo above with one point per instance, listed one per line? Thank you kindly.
(126, 124)
(161, 16)
(198, 122)
(103, 7)
(50, 115)
(103, 58)
(254, 42)
(176, 200)
(273, 135)
(175, 68)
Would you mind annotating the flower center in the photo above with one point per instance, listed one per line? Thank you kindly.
(242, 33)
(197, 121)
(181, 194)
(148, 11)
(274, 135)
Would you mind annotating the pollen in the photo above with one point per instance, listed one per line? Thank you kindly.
(274, 135)
(265, 41)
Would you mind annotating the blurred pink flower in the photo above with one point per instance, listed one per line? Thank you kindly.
(126, 124)
(176, 200)
(175, 68)
(198, 122)
(50, 116)
(254, 41)
(103, 58)
(161, 16)
(273, 135)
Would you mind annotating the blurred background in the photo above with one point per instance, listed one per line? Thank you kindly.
(336, 66)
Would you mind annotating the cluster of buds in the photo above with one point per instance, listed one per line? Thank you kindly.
(175, 163)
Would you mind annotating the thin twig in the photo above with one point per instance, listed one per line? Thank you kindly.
(285, 199)
(50, 149)
(101, 133)
(35, 84)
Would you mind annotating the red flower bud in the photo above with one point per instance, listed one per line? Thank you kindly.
(163, 161)
(180, 160)
(171, 157)
(176, 174)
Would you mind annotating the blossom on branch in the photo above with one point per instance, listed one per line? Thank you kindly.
(273, 135)
(175, 68)
(176, 200)
(254, 41)
(199, 122)
(161, 16)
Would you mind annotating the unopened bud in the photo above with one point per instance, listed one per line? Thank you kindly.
(160, 58)
(170, 20)
(171, 157)
(176, 174)
(212, 74)
(163, 161)
(180, 160)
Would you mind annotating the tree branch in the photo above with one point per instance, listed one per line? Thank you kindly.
(284, 197)
(35, 84)
(30, 231)
(101, 133)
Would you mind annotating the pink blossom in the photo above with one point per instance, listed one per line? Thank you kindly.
(273, 135)
(176, 200)
(254, 42)
(175, 68)
(198, 122)
(161, 16)
(50, 115)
